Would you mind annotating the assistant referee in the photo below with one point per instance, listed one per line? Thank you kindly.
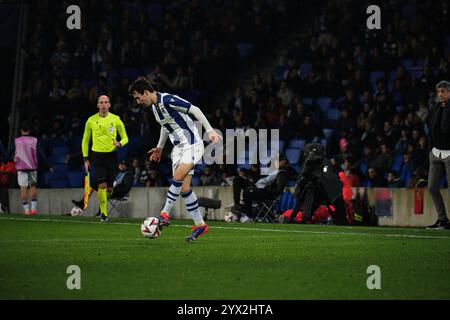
(103, 127)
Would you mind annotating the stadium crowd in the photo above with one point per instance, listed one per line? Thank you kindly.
(363, 94)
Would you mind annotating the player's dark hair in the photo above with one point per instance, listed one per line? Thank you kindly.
(140, 85)
(25, 126)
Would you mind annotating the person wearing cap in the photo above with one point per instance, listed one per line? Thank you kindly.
(439, 156)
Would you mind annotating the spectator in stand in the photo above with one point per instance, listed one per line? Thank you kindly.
(394, 180)
(419, 178)
(375, 179)
(208, 177)
(154, 179)
(402, 143)
(136, 171)
(384, 160)
(350, 173)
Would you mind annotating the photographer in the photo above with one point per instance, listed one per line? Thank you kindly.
(317, 185)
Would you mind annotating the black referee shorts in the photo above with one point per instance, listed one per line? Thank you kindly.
(105, 166)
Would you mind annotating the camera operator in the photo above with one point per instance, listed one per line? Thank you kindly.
(318, 184)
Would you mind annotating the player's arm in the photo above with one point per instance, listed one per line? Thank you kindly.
(162, 138)
(122, 132)
(155, 153)
(85, 144)
(198, 114)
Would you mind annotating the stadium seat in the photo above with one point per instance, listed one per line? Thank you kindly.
(297, 144)
(75, 179)
(280, 71)
(148, 70)
(406, 63)
(286, 202)
(243, 165)
(49, 176)
(324, 103)
(296, 167)
(61, 168)
(308, 101)
(305, 68)
(363, 167)
(408, 11)
(155, 12)
(327, 133)
(58, 183)
(245, 49)
(334, 114)
(61, 151)
(419, 63)
(57, 142)
(293, 155)
(406, 174)
(375, 76)
(398, 161)
(130, 73)
(195, 181)
(415, 73)
(56, 159)
(122, 153)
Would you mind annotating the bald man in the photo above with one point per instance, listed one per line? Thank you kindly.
(103, 126)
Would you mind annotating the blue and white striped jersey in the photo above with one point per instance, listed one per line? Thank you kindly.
(171, 113)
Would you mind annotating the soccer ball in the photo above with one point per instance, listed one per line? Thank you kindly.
(76, 211)
(230, 217)
(150, 228)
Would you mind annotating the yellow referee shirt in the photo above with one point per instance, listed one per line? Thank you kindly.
(104, 132)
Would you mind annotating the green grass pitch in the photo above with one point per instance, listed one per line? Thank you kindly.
(231, 261)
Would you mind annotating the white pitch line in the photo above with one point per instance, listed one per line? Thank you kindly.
(393, 235)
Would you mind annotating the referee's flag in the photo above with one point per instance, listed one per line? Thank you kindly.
(87, 190)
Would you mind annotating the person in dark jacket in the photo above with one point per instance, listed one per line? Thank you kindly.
(267, 188)
(440, 153)
(394, 180)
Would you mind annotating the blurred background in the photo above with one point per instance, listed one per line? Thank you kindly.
(311, 69)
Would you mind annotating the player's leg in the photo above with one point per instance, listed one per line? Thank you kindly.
(190, 198)
(110, 165)
(22, 179)
(103, 201)
(32, 178)
(179, 175)
(100, 165)
(191, 202)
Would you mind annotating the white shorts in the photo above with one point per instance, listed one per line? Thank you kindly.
(26, 178)
(188, 154)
